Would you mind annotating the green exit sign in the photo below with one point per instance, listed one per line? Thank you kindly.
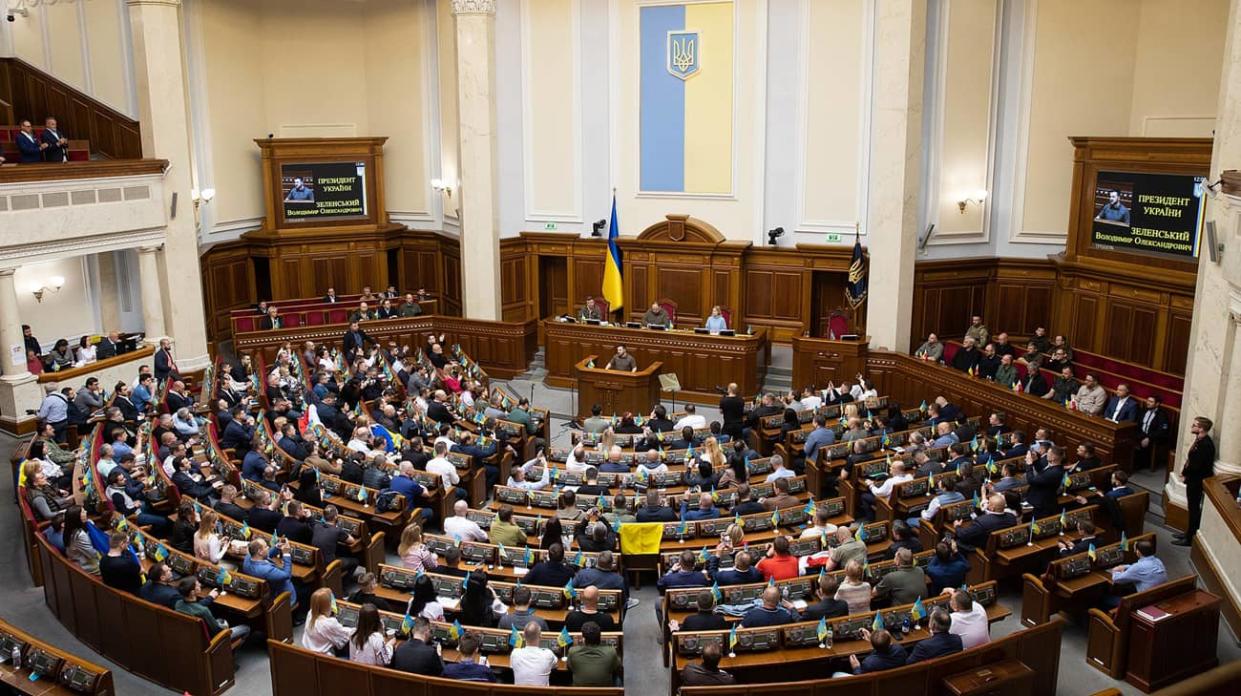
(833, 237)
(550, 226)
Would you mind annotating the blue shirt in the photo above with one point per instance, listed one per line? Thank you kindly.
(253, 466)
(762, 616)
(697, 513)
(408, 487)
(279, 577)
(1145, 573)
(54, 409)
(141, 397)
(950, 573)
(120, 449)
(682, 578)
(716, 323)
(819, 437)
(1114, 213)
(945, 440)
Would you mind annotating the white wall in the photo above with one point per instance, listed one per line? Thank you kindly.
(66, 314)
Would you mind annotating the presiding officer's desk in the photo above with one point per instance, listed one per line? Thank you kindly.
(701, 362)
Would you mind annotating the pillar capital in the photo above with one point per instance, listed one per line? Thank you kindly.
(150, 248)
(168, 3)
(7, 272)
(469, 7)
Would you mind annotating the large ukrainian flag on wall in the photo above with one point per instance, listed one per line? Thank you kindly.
(687, 98)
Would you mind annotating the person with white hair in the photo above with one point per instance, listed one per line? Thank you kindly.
(459, 526)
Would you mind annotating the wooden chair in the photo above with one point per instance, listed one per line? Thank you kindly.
(1107, 643)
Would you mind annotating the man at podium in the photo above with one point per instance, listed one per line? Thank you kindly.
(622, 361)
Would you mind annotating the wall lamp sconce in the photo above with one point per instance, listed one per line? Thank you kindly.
(773, 234)
(441, 185)
(200, 197)
(596, 228)
(978, 198)
(54, 284)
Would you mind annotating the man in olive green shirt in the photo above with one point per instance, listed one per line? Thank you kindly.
(503, 531)
(978, 331)
(411, 308)
(193, 603)
(904, 585)
(656, 316)
(1006, 373)
(593, 664)
(521, 414)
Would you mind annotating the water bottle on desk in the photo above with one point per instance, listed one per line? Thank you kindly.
(17, 657)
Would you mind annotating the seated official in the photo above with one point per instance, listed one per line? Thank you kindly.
(942, 641)
(419, 656)
(532, 664)
(708, 673)
(969, 619)
(653, 511)
(656, 316)
(504, 531)
(324, 633)
(742, 571)
(854, 590)
(1146, 572)
(552, 572)
(705, 511)
(119, 568)
(906, 584)
(770, 612)
(779, 563)
(967, 356)
(521, 612)
(825, 605)
(931, 349)
(704, 619)
(683, 573)
(590, 311)
(947, 568)
(261, 563)
(589, 613)
(160, 586)
(716, 323)
(368, 645)
(995, 515)
(467, 667)
(622, 361)
(195, 603)
(591, 662)
(886, 653)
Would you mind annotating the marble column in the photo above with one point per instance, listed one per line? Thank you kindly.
(152, 297)
(895, 169)
(12, 342)
(163, 109)
(1213, 373)
(476, 138)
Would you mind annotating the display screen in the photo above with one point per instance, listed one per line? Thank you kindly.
(323, 191)
(1147, 213)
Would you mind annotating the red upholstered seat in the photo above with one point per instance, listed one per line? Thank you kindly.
(728, 317)
(950, 351)
(292, 320)
(337, 316)
(315, 317)
(79, 155)
(669, 306)
(605, 307)
(837, 325)
(243, 324)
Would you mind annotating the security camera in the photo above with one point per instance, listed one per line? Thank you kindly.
(10, 17)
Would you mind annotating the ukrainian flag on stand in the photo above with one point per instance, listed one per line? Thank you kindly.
(613, 287)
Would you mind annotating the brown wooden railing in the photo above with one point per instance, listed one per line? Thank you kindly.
(28, 92)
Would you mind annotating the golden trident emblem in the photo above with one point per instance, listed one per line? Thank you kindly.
(683, 56)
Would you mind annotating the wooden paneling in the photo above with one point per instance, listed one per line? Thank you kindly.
(1176, 350)
(33, 94)
(1129, 327)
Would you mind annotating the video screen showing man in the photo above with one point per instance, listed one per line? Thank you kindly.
(1113, 211)
(300, 192)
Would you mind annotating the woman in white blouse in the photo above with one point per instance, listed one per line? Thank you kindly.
(84, 353)
(425, 602)
(207, 543)
(324, 634)
(368, 645)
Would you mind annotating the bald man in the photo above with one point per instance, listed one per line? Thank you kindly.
(589, 611)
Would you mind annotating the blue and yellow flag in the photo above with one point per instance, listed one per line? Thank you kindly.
(1124, 541)
(613, 287)
(918, 612)
(1091, 553)
(775, 518)
(455, 631)
(715, 592)
(822, 629)
(528, 557)
(515, 639)
(407, 623)
(732, 637)
(860, 535)
(224, 578)
(570, 592)
(877, 624)
(466, 580)
(564, 640)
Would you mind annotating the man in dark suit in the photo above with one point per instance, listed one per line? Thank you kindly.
(108, 346)
(355, 339)
(974, 534)
(179, 397)
(653, 511)
(331, 296)
(1082, 545)
(1121, 408)
(1154, 426)
(29, 146)
(1044, 492)
(57, 145)
(165, 367)
(1199, 466)
(271, 320)
(941, 641)
(967, 356)
(887, 653)
(417, 655)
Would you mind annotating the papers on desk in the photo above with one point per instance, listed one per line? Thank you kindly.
(449, 603)
(519, 571)
(799, 604)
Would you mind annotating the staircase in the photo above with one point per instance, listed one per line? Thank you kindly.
(779, 378)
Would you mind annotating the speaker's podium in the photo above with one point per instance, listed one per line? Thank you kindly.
(617, 391)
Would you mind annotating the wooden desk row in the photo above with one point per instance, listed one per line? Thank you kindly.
(762, 650)
(1073, 582)
(46, 670)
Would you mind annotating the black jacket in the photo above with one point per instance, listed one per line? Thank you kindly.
(1200, 463)
(1158, 431)
(646, 514)
(1044, 492)
(975, 534)
(549, 574)
(704, 621)
(417, 657)
(829, 608)
(938, 645)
